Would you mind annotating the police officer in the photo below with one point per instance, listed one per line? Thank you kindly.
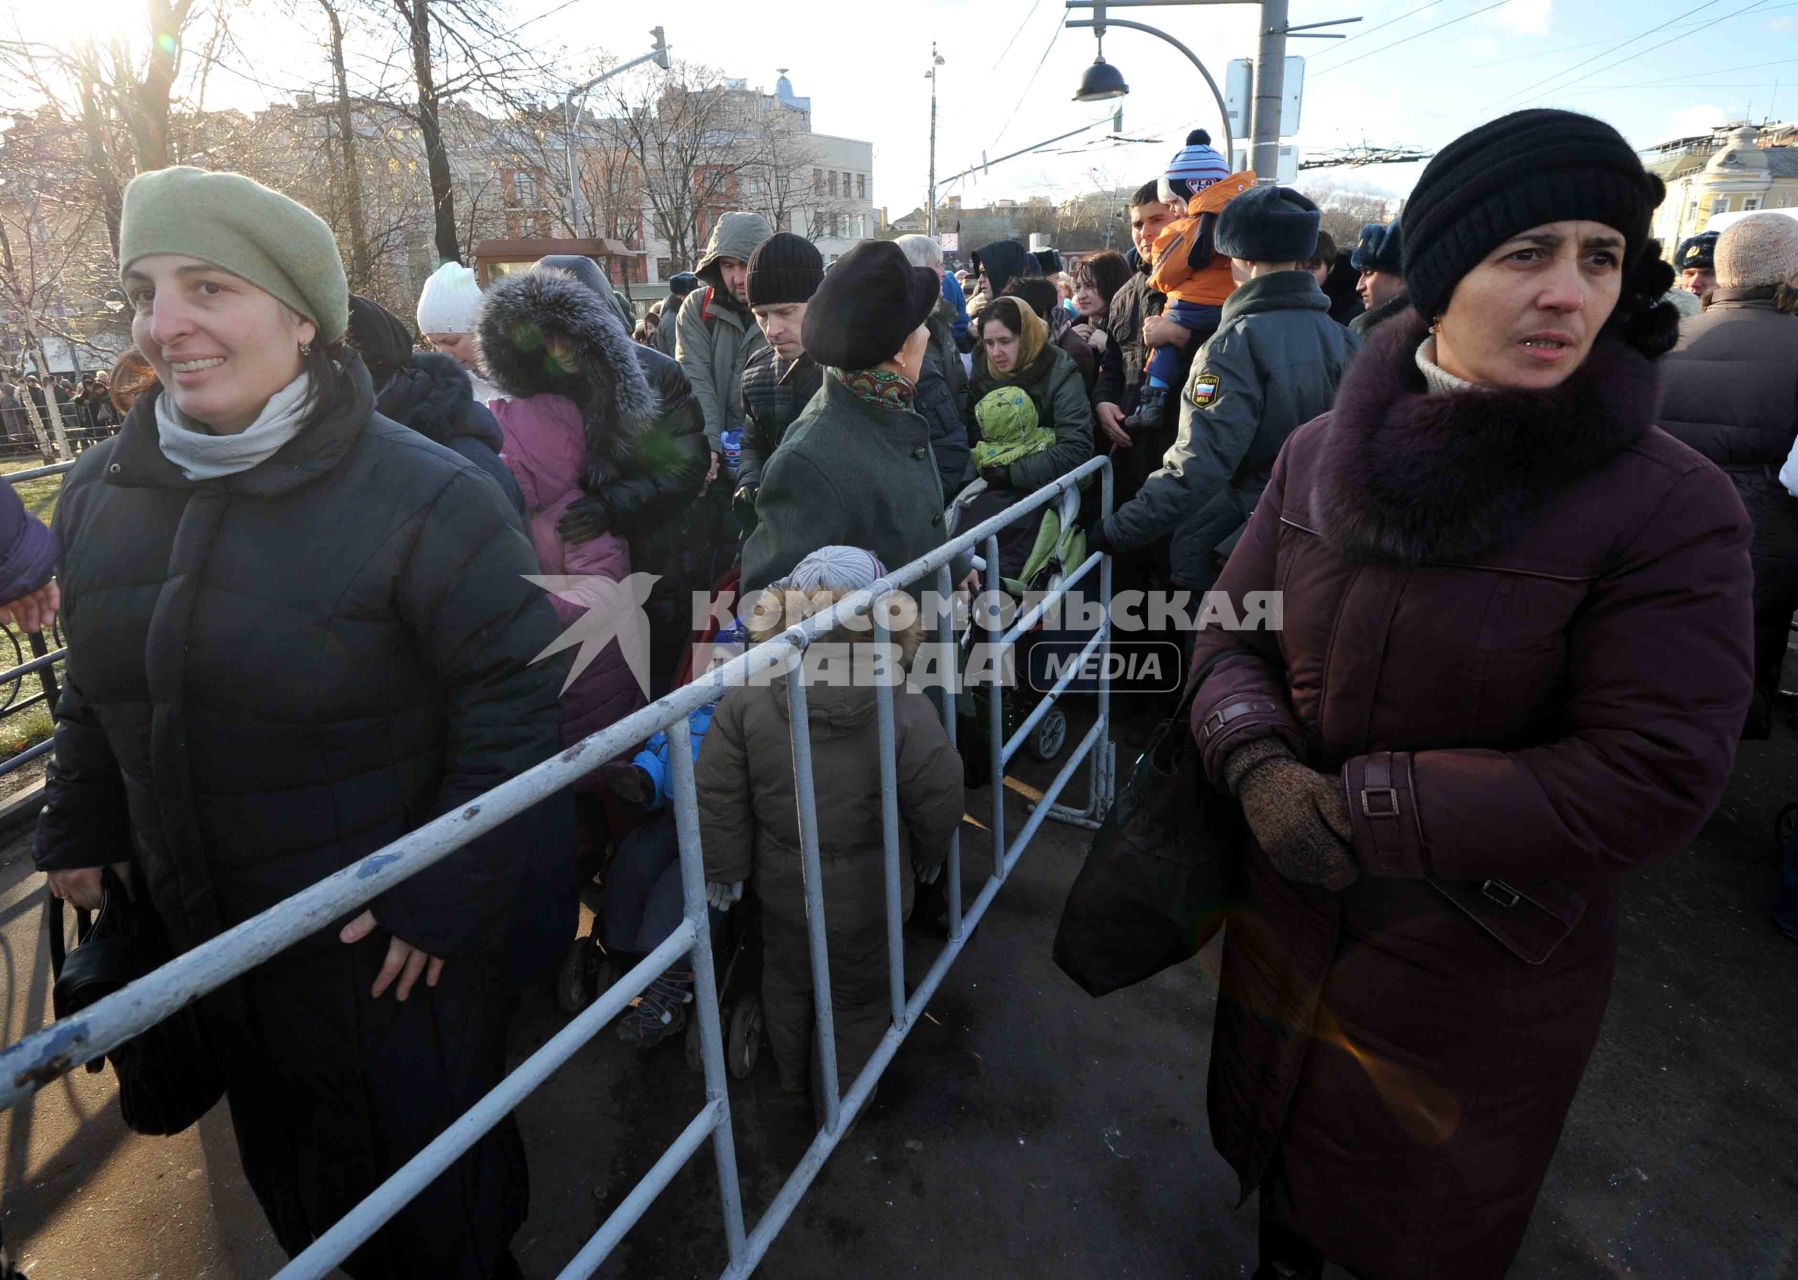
(1695, 263)
(1272, 366)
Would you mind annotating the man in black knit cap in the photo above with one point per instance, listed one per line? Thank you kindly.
(780, 379)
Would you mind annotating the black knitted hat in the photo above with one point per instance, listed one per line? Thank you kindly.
(784, 268)
(384, 339)
(1517, 172)
(1268, 224)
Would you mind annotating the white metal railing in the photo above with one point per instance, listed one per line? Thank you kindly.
(43, 1056)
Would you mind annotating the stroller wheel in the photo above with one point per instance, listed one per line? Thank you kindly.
(695, 1063)
(1051, 735)
(745, 1044)
(577, 981)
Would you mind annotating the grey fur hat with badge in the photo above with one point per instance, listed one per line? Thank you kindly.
(1268, 224)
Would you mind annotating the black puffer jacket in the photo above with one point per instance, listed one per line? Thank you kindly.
(434, 396)
(274, 673)
(942, 400)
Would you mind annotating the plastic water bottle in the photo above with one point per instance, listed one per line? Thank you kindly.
(732, 440)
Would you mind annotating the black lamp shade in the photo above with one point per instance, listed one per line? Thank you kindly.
(1101, 81)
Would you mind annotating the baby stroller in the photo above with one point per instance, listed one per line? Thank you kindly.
(1033, 557)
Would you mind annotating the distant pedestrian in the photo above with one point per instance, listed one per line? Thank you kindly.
(1696, 263)
(717, 334)
(679, 286)
(1380, 258)
(1337, 278)
(779, 379)
(943, 382)
(1732, 394)
(449, 317)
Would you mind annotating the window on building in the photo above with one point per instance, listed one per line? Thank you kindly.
(817, 181)
(524, 189)
(845, 186)
(1750, 203)
(861, 186)
(1719, 204)
(833, 184)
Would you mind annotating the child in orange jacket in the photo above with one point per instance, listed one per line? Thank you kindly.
(1195, 280)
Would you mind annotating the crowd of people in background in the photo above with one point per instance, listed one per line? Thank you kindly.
(1518, 646)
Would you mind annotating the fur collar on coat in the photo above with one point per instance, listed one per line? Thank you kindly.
(527, 313)
(1408, 476)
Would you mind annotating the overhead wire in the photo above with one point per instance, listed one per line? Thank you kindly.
(1562, 88)
(1359, 35)
(1640, 35)
(1417, 35)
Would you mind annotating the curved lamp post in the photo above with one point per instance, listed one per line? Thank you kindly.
(1102, 80)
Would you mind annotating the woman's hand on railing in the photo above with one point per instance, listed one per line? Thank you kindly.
(404, 961)
(36, 611)
(80, 886)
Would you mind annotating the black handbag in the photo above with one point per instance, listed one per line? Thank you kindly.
(167, 1076)
(1156, 882)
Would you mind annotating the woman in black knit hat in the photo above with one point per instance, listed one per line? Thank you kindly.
(1514, 658)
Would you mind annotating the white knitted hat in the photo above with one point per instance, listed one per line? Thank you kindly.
(837, 569)
(451, 301)
(1757, 252)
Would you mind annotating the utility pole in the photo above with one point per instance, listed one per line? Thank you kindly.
(1270, 88)
(936, 60)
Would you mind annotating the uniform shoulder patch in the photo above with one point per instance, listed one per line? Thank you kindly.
(1203, 390)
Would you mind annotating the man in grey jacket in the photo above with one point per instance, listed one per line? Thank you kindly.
(716, 333)
(1272, 366)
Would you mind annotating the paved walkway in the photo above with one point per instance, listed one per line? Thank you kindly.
(1026, 1129)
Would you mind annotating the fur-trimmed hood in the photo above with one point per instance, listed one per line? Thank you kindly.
(529, 316)
(433, 395)
(1408, 476)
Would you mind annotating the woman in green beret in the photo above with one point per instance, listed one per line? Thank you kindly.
(298, 630)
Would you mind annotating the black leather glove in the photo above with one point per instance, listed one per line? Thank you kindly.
(742, 502)
(585, 519)
(997, 476)
(1300, 817)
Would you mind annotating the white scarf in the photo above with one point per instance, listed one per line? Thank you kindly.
(1439, 380)
(201, 455)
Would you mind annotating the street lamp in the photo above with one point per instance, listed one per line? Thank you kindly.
(1101, 81)
(657, 54)
(936, 60)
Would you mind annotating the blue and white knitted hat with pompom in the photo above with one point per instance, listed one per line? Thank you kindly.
(1195, 167)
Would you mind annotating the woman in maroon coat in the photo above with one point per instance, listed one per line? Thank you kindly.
(1514, 660)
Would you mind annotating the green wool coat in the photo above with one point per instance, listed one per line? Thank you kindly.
(847, 473)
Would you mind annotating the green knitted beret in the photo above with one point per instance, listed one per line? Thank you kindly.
(234, 222)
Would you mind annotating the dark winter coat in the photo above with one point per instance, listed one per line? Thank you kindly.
(270, 676)
(435, 397)
(1133, 303)
(847, 473)
(943, 402)
(1054, 385)
(715, 334)
(1517, 623)
(1392, 309)
(775, 393)
(1339, 288)
(1273, 365)
(1732, 394)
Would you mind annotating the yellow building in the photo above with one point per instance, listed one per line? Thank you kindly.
(1738, 168)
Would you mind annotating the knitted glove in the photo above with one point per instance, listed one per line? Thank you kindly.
(723, 897)
(1299, 816)
(997, 476)
(585, 519)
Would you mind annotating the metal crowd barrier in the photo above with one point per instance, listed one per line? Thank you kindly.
(43, 659)
(43, 1056)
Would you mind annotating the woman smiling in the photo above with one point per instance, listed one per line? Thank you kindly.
(1514, 661)
(297, 631)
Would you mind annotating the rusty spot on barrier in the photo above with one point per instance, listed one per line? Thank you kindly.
(471, 811)
(41, 1076)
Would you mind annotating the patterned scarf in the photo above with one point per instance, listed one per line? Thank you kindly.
(879, 386)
